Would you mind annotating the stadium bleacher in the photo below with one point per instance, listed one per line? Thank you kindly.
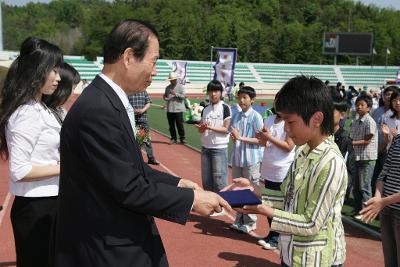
(259, 75)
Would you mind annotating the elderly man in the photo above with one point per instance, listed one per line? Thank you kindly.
(108, 195)
(175, 97)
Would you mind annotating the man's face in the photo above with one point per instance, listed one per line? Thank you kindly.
(140, 73)
(296, 128)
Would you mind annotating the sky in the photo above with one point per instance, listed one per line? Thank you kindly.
(380, 3)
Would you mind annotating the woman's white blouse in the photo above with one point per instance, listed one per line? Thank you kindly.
(33, 139)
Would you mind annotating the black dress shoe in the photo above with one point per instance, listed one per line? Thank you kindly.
(182, 142)
(153, 162)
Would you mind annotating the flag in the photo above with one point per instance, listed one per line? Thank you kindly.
(374, 51)
(179, 67)
(224, 67)
(387, 51)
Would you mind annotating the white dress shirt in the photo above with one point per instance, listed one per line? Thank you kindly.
(33, 139)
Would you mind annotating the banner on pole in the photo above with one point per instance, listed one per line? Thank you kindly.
(179, 67)
(224, 67)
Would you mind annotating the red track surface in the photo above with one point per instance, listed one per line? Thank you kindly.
(202, 241)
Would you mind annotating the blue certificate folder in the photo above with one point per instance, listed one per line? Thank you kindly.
(239, 198)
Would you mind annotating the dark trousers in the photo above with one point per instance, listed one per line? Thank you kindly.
(390, 232)
(176, 118)
(147, 145)
(277, 187)
(32, 221)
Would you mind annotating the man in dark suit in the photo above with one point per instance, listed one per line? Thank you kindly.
(108, 195)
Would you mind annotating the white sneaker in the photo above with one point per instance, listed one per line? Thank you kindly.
(234, 226)
(246, 229)
(270, 246)
(358, 217)
(262, 242)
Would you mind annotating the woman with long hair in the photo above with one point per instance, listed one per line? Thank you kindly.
(30, 139)
(70, 78)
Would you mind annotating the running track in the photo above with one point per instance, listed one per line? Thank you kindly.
(202, 241)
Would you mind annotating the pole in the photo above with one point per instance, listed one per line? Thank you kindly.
(335, 60)
(1, 27)
(211, 58)
(357, 61)
(386, 59)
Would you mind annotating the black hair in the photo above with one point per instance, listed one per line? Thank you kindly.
(215, 85)
(391, 88)
(247, 90)
(26, 76)
(395, 94)
(366, 98)
(241, 84)
(340, 105)
(305, 96)
(69, 77)
(128, 33)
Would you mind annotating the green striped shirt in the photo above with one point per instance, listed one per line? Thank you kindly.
(308, 208)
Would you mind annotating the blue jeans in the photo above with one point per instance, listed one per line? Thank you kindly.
(214, 168)
(362, 182)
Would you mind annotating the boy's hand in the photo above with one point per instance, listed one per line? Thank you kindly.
(239, 184)
(201, 126)
(263, 136)
(372, 209)
(235, 134)
(257, 209)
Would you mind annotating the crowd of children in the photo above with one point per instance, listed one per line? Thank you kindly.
(304, 164)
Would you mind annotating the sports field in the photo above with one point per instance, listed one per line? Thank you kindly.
(158, 121)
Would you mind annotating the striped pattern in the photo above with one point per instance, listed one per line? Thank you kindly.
(248, 123)
(312, 217)
(391, 172)
(361, 128)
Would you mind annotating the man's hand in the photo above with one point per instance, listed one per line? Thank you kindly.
(185, 183)
(206, 203)
(172, 92)
(373, 207)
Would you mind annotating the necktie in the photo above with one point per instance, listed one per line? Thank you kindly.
(131, 115)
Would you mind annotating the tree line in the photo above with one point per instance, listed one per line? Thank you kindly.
(271, 31)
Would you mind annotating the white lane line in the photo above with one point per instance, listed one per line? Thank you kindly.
(5, 205)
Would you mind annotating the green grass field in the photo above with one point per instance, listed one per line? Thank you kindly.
(158, 120)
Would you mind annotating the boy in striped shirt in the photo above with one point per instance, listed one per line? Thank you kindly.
(306, 212)
(247, 154)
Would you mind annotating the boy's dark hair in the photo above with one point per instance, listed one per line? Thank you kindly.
(340, 105)
(366, 98)
(395, 94)
(247, 90)
(215, 85)
(304, 96)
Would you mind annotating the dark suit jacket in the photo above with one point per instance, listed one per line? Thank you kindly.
(108, 195)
